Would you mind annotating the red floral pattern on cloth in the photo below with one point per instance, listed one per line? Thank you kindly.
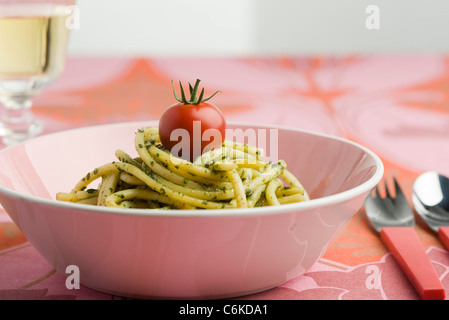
(327, 280)
(396, 105)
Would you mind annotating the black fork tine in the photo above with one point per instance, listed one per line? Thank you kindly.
(401, 200)
(377, 192)
(387, 191)
(397, 188)
(374, 196)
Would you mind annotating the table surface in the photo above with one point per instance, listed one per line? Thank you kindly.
(396, 105)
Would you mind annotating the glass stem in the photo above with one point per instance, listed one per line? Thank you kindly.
(17, 120)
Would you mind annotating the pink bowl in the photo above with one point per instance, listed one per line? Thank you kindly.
(182, 253)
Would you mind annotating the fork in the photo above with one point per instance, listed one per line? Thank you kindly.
(393, 218)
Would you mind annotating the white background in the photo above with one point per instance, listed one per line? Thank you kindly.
(248, 27)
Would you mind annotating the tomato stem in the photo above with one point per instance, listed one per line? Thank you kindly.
(193, 94)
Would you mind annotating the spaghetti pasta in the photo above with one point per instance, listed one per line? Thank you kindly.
(233, 176)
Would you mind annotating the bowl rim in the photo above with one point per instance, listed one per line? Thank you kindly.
(313, 203)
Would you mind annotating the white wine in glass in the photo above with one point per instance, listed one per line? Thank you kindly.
(33, 43)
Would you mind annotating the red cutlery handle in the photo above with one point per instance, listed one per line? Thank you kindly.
(406, 248)
(443, 235)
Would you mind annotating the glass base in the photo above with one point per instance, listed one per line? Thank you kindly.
(11, 135)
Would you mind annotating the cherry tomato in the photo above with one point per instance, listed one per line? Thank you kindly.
(192, 127)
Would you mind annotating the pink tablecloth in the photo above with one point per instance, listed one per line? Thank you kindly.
(398, 106)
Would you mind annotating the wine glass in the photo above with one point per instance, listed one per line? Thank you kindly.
(33, 43)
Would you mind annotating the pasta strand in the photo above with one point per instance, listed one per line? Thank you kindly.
(233, 176)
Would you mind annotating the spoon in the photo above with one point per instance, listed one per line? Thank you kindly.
(431, 200)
